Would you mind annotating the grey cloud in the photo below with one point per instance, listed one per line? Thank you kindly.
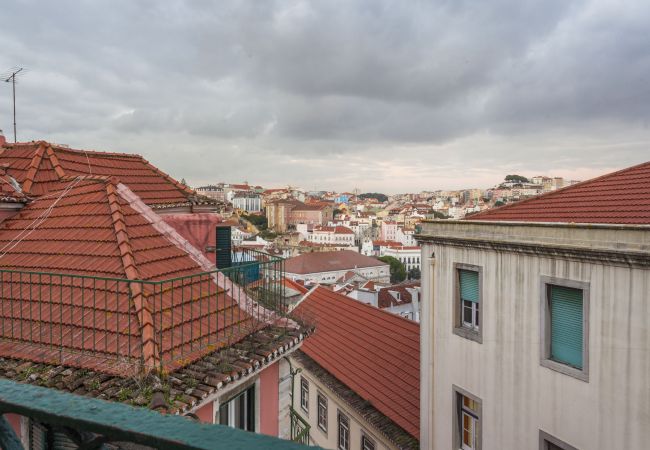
(337, 92)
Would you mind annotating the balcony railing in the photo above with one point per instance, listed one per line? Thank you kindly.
(299, 428)
(56, 420)
(125, 325)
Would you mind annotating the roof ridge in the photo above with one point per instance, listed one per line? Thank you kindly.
(33, 167)
(55, 162)
(140, 301)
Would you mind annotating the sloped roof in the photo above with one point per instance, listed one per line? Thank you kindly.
(338, 229)
(40, 166)
(621, 197)
(385, 299)
(373, 352)
(329, 261)
(95, 226)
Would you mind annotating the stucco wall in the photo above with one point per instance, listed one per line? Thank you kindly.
(269, 396)
(519, 396)
(328, 439)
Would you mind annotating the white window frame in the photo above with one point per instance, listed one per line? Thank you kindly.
(468, 330)
(343, 424)
(459, 412)
(304, 394)
(325, 410)
(366, 442)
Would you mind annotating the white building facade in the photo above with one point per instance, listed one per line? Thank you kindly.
(535, 336)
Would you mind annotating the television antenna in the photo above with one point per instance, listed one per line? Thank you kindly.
(10, 77)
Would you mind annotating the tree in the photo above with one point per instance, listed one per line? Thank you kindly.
(397, 269)
(516, 179)
(439, 215)
(499, 203)
(414, 274)
(376, 195)
(183, 182)
(260, 221)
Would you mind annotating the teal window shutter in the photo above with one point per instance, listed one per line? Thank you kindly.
(468, 285)
(566, 325)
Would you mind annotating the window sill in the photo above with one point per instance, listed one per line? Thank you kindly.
(580, 374)
(468, 333)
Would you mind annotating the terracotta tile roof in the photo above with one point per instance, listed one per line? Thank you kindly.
(98, 227)
(621, 197)
(385, 299)
(373, 352)
(40, 166)
(329, 261)
(338, 229)
(183, 389)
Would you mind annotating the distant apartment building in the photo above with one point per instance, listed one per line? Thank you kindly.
(358, 390)
(327, 267)
(402, 299)
(247, 201)
(535, 321)
(409, 256)
(283, 214)
(388, 230)
(335, 235)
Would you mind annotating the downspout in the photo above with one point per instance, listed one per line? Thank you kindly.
(293, 372)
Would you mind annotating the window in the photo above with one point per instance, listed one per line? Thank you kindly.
(367, 443)
(304, 394)
(344, 432)
(565, 326)
(239, 412)
(468, 311)
(548, 442)
(322, 411)
(467, 421)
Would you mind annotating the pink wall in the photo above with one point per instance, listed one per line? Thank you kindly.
(269, 400)
(14, 421)
(206, 413)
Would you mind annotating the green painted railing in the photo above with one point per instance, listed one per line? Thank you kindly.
(299, 428)
(82, 422)
(124, 325)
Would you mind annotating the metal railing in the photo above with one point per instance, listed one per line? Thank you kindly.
(299, 428)
(132, 324)
(36, 417)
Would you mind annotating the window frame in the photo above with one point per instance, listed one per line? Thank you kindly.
(459, 328)
(458, 392)
(248, 397)
(319, 396)
(545, 439)
(545, 327)
(304, 394)
(365, 438)
(340, 416)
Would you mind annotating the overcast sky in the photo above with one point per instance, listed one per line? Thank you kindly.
(377, 95)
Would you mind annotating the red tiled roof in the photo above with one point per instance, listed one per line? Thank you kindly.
(329, 261)
(385, 299)
(621, 197)
(338, 229)
(94, 228)
(39, 167)
(373, 352)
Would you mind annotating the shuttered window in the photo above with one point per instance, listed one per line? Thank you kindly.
(468, 280)
(566, 310)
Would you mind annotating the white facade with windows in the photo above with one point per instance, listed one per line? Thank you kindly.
(541, 336)
(334, 424)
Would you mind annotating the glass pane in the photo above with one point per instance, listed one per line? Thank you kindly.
(223, 414)
(467, 312)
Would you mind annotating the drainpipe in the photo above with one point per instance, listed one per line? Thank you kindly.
(427, 354)
(293, 372)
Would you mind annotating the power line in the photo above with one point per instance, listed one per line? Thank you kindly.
(12, 78)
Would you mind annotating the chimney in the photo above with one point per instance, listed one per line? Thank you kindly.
(3, 140)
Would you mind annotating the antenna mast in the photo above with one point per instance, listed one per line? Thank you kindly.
(12, 78)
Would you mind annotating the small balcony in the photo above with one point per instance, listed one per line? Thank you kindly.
(299, 428)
